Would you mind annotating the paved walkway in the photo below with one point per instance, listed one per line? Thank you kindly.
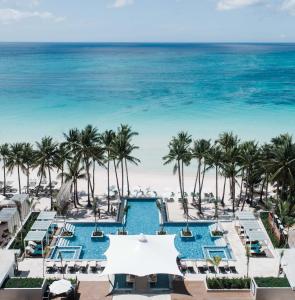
(94, 290)
(195, 290)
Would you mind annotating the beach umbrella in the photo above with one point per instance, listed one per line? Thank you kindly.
(60, 287)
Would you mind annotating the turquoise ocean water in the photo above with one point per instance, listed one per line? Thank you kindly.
(157, 88)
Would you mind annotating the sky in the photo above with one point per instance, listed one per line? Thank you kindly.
(147, 20)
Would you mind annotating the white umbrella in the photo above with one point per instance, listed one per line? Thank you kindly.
(60, 287)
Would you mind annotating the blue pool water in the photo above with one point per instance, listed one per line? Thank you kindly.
(143, 217)
(71, 252)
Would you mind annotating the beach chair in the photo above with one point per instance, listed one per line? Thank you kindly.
(93, 266)
(212, 269)
(83, 266)
(50, 266)
(222, 270)
(233, 269)
(71, 266)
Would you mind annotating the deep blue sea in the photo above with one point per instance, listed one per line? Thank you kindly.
(46, 88)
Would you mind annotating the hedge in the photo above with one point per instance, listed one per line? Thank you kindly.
(264, 218)
(23, 283)
(272, 282)
(228, 283)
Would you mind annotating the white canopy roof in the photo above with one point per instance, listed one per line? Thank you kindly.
(41, 225)
(11, 216)
(46, 215)
(255, 235)
(36, 236)
(250, 224)
(141, 255)
(60, 286)
(288, 263)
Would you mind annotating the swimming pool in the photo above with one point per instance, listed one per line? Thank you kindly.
(143, 217)
(70, 252)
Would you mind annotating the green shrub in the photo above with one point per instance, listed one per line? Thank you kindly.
(23, 283)
(17, 243)
(272, 282)
(264, 218)
(228, 283)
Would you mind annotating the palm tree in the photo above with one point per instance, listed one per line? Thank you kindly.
(74, 173)
(286, 212)
(227, 141)
(28, 161)
(62, 208)
(282, 165)
(179, 153)
(63, 156)
(83, 146)
(46, 159)
(4, 154)
(127, 132)
(95, 208)
(248, 157)
(215, 159)
(15, 160)
(215, 261)
(200, 151)
(106, 139)
(97, 158)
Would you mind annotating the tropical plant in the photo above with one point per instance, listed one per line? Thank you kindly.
(46, 160)
(215, 261)
(200, 151)
(106, 140)
(248, 255)
(179, 153)
(15, 160)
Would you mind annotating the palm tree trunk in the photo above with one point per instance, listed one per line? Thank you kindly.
(108, 170)
(195, 185)
(241, 188)
(4, 177)
(117, 179)
(262, 189)
(50, 188)
(223, 192)
(266, 188)
(62, 173)
(76, 191)
(19, 185)
(88, 184)
(233, 193)
(246, 192)
(38, 188)
(127, 177)
(28, 180)
(182, 177)
(203, 176)
(122, 178)
(200, 196)
(93, 178)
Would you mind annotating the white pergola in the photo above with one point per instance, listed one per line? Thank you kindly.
(46, 216)
(41, 225)
(256, 235)
(36, 236)
(141, 255)
(11, 216)
(250, 224)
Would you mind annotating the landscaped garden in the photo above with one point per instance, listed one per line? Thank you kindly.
(23, 283)
(272, 282)
(228, 283)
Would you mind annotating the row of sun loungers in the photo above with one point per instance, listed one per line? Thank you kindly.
(194, 268)
(63, 242)
(72, 266)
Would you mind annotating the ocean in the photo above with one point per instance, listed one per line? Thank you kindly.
(159, 89)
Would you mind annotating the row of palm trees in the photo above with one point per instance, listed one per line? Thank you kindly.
(74, 159)
(252, 167)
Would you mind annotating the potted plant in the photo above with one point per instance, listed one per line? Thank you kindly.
(97, 233)
(160, 206)
(186, 232)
